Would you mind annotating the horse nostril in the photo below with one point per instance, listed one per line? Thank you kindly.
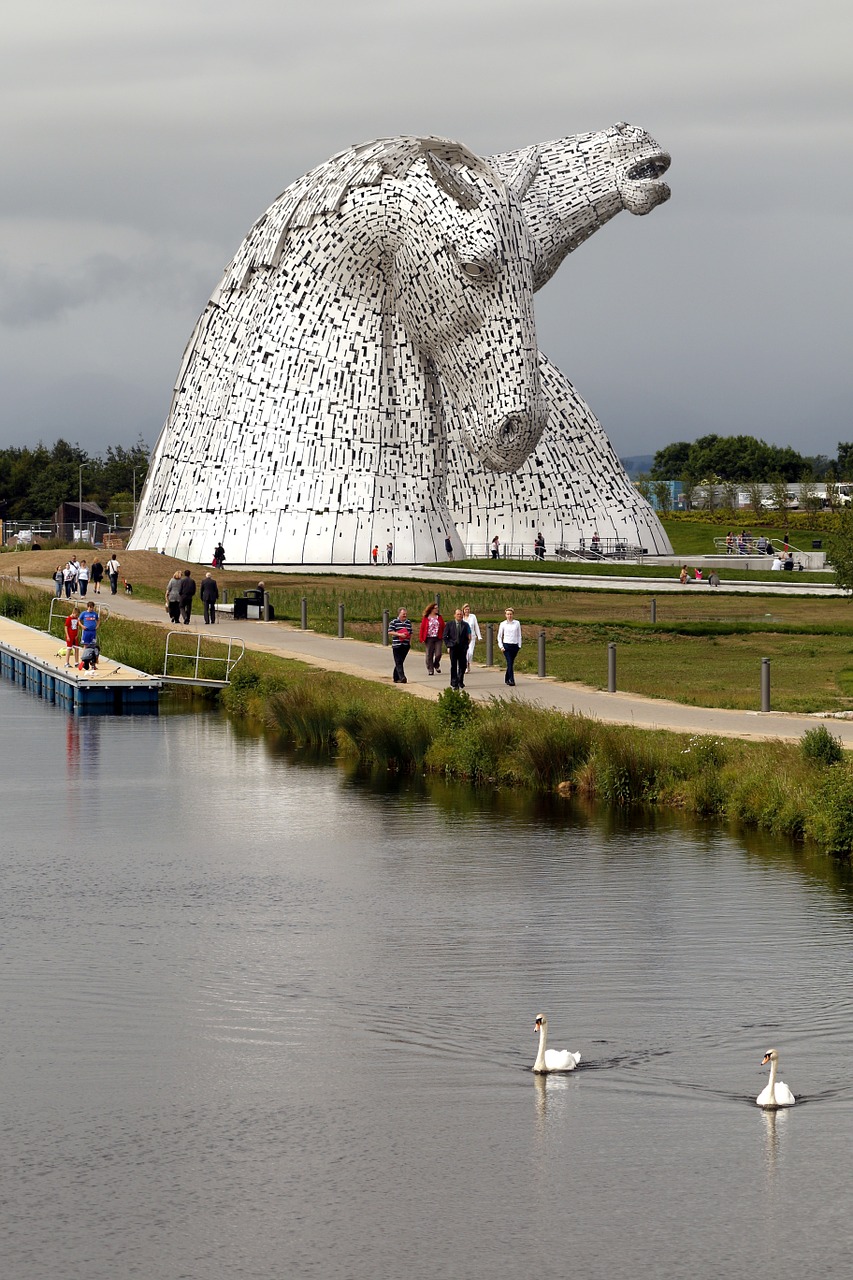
(509, 429)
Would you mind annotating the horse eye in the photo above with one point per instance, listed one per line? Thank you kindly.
(474, 270)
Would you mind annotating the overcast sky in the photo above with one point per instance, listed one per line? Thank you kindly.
(142, 140)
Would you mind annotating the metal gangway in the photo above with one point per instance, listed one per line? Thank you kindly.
(186, 656)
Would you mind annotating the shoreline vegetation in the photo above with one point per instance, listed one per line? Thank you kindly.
(800, 791)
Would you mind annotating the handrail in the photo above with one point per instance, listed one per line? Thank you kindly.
(63, 603)
(226, 661)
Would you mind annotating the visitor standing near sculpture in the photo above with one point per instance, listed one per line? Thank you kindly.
(457, 637)
(218, 556)
(186, 591)
(113, 570)
(173, 596)
(509, 643)
(400, 631)
(209, 595)
(431, 636)
(97, 576)
(471, 619)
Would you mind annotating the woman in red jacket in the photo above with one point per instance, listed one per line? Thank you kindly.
(431, 636)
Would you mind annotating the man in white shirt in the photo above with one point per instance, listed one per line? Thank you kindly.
(509, 643)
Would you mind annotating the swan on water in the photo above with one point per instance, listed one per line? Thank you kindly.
(777, 1093)
(552, 1059)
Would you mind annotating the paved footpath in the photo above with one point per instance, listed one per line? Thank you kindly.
(373, 662)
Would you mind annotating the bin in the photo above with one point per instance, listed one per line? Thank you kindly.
(817, 544)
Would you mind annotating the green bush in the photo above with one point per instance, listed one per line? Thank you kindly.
(820, 747)
(455, 709)
(830, 819)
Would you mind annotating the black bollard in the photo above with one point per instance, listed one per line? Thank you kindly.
(541, 655)
(341, 621)
(765, 684)
(611, 667)
(490, 644)
(225, 595)
(438, 601)
(654, 610)
(304, 613)
(385, 618)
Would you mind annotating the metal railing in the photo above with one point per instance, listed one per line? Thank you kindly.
(584, 549)
(178, 653)
(61, 606)
(750, 547)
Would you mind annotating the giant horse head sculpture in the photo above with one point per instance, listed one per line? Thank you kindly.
(383, 292)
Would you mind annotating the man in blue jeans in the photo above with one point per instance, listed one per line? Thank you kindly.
(509, 643)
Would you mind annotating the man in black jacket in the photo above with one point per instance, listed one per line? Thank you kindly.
(186, 592)
(457, 637)
(209, 595)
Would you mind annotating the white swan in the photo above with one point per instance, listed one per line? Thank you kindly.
(552, 1059)
(777, 1093)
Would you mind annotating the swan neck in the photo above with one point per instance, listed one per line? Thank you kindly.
(539, 1064)
(772, 1082)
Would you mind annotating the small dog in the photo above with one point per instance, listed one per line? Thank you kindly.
(128, 587)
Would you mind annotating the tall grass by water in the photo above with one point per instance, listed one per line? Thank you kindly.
(800, 791)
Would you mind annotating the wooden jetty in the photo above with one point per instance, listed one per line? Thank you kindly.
(35, 660)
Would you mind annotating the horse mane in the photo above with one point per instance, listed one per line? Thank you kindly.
(321, 192)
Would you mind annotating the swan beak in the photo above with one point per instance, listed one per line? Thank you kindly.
(766, 1058)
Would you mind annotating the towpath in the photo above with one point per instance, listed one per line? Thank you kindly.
(373, 662)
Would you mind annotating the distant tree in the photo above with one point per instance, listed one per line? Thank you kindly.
(840, 549)
(671, 461)
(663, 496)
(688, 490)
(779, 492)
(819, 465)
(833, 495)
(728, 495)
(709, 490)
(809, 500)
(643, 485)
(756, 497)
(845, 460)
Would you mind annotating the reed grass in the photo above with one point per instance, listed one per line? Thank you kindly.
(799, 790)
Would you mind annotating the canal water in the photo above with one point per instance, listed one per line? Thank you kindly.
(264, 1019)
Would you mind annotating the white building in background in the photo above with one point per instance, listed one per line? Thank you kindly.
(367, 370)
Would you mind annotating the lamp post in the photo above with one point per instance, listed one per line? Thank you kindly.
(80, 501)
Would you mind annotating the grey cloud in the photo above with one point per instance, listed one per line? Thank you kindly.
(40, 294)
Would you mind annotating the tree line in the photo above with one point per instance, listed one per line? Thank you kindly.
(744, 459)
(33, 482)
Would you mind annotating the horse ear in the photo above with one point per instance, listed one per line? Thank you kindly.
(451, 181)
(520, 178)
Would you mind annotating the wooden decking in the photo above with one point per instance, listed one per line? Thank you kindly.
(36, 662)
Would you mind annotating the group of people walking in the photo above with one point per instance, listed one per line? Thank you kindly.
(180, 592)
(75, 576)
(457, 638)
